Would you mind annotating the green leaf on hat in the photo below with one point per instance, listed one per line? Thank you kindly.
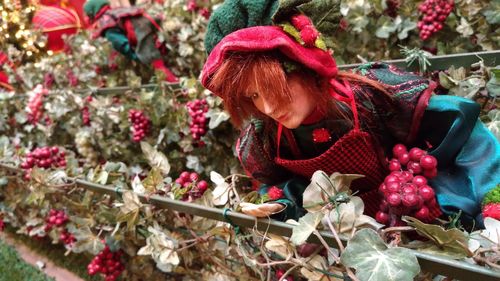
(292, 31)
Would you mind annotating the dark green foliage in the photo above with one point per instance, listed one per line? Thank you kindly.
(13, 268)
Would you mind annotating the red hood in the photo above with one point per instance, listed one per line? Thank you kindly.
(264, 39)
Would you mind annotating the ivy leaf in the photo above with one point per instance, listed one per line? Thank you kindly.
(155, 158)
(130, 210)
(279, 245)
(162, 248)
(221, 192)
(375, 261)
(451, 241)
(307, 224)
(86, 241)
(137, 185)
(323, 189)
(154, 181)
(387, 27)
(347, 216)
(405, 27)
(493, 85)
(216, 117)
(320, 262)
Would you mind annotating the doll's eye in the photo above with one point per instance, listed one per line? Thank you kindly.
(253, 96)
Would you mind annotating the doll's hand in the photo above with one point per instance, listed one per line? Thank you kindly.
(261, 210)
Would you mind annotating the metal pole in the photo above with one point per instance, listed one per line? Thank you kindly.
(440, 265)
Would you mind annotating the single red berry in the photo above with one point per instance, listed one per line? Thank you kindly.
(423, 214)
(398, 150)
(428, 162)
(382, 217)
(394, 199)
(275, 193)
(419, 180)
(426, 192)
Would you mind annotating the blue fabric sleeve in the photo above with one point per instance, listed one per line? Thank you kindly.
(468, 155)
(120, 42)
(292, 198)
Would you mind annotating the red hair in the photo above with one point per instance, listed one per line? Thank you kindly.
(265, 73)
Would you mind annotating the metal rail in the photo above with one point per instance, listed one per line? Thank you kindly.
(442, 62)
(439, 265)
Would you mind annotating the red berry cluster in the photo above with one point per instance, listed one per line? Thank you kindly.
(140, 124)
(107, 263)
(67, 237)
(405, 192)
(308, 32)
(190, 180)
(35, 104)
(44, 157)
(434, 13)
(392, 8)
(55, 219)
(197, 109)
(85, 112)
(2, 225)
(192, 6)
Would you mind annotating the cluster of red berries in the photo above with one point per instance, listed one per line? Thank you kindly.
(2, 225)
(35, 104)
(85, 112)
(192, 6)
(392, 7)
(434, 13)
(67, 238)
(304, 25)
(44, 157)
(197, 109)
(55, 219)
(108, 263)
(190, 180)
(406, 192)
(140, 124)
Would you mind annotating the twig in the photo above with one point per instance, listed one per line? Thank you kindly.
(335, 234)
(316, 232)
(288, 272)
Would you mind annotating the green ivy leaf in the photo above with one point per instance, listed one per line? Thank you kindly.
(387, 26)
(451, 241)
(130, 210)
(375, 261)
(493, 85)
(86, 241)
(154, 181)
(155, 158)
(307, 224)
(216, 118)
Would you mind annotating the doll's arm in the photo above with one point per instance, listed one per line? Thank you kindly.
(468, 155)
(120, 42)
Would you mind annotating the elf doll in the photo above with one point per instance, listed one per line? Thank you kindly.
(130, 30)
(299, 114)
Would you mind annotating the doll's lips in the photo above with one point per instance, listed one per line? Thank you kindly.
(282, 118)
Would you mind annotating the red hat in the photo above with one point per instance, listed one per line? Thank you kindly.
(266, 39)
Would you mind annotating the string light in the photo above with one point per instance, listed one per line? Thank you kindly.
(15, 25)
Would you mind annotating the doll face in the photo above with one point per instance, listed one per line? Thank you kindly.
(292, 112)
